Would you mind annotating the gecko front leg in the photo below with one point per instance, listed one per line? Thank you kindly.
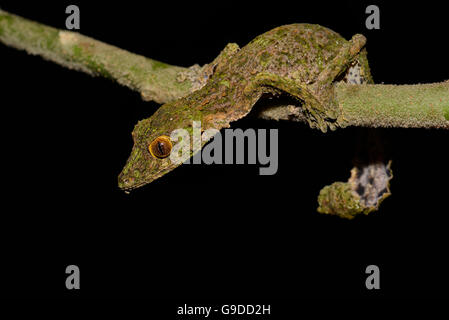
(222, 59)
(199, 76)
(322, 87)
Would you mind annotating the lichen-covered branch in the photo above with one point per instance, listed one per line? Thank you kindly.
(154, 80)
(380, 105)
(405, 106)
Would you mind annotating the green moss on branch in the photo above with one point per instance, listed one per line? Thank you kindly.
(405, 106)
(155, 80)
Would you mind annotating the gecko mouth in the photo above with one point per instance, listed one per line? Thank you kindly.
(130, 183)
(123, 185)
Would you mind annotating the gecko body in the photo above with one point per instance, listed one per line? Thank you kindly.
(299, 60)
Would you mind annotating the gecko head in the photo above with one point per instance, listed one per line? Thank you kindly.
(148, 159)
(151, 155)
(174, 133)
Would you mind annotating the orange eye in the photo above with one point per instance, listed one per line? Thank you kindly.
(160, 148)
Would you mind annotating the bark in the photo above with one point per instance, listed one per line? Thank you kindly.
(154, 80)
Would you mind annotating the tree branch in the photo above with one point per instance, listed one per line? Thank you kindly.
(154, 80)
(406, 106)
(380, 105)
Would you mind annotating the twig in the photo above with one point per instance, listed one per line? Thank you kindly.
(154, 80)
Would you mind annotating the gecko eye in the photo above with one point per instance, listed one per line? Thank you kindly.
(160, 148)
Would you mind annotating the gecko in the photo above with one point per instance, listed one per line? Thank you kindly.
(302, 61)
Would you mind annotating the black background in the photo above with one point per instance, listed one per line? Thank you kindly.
(212, 233)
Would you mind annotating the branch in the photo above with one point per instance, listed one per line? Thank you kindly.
(380, 105)
(154, 80)
(405, 106)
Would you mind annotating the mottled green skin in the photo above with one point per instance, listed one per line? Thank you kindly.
(302, 60)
